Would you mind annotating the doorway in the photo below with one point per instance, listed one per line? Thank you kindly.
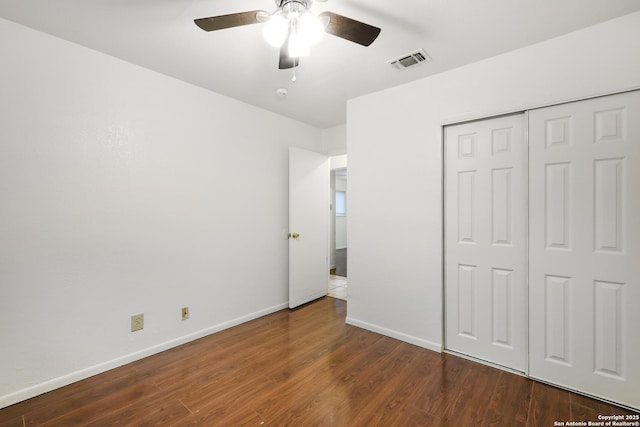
(338, 234)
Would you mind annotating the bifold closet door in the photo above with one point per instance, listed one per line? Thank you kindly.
(485, 239)
(585, 246)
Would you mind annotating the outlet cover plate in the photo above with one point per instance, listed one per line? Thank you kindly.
(137, 322)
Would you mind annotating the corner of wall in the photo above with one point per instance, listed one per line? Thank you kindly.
(429, 345)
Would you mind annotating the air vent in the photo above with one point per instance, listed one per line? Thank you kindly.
(410, 59)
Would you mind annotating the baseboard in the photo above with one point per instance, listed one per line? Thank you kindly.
(395, 334)
(46, 386)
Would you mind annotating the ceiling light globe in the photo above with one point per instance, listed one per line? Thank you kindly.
(275, 30)
(310, 28)
(297, 46)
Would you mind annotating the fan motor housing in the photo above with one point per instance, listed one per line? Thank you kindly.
(304, 3)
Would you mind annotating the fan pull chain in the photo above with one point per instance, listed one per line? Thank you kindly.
(294, 78)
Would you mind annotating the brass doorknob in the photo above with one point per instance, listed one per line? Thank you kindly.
(295, 235)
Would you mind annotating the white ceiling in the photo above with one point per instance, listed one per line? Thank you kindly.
(160, 35)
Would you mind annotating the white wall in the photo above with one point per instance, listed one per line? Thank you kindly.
(395, 240)
(124, 191)
(334, 140)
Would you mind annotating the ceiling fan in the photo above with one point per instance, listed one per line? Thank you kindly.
(294, 28)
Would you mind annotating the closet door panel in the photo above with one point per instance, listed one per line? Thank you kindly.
(485, 216)
(584, 266)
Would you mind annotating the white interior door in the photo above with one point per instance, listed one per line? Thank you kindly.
(486, 240)
(585, 246)
(308, 226)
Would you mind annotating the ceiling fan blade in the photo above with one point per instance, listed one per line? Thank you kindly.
(221, 22)
(286, 61)
(350, 29)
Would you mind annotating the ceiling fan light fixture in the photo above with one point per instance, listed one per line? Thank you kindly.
(293, 23)
(298, 46)
(275, 30)
(310, 28)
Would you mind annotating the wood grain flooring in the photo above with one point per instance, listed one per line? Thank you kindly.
(304, 368)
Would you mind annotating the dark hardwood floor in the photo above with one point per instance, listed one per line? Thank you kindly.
(304, 368)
